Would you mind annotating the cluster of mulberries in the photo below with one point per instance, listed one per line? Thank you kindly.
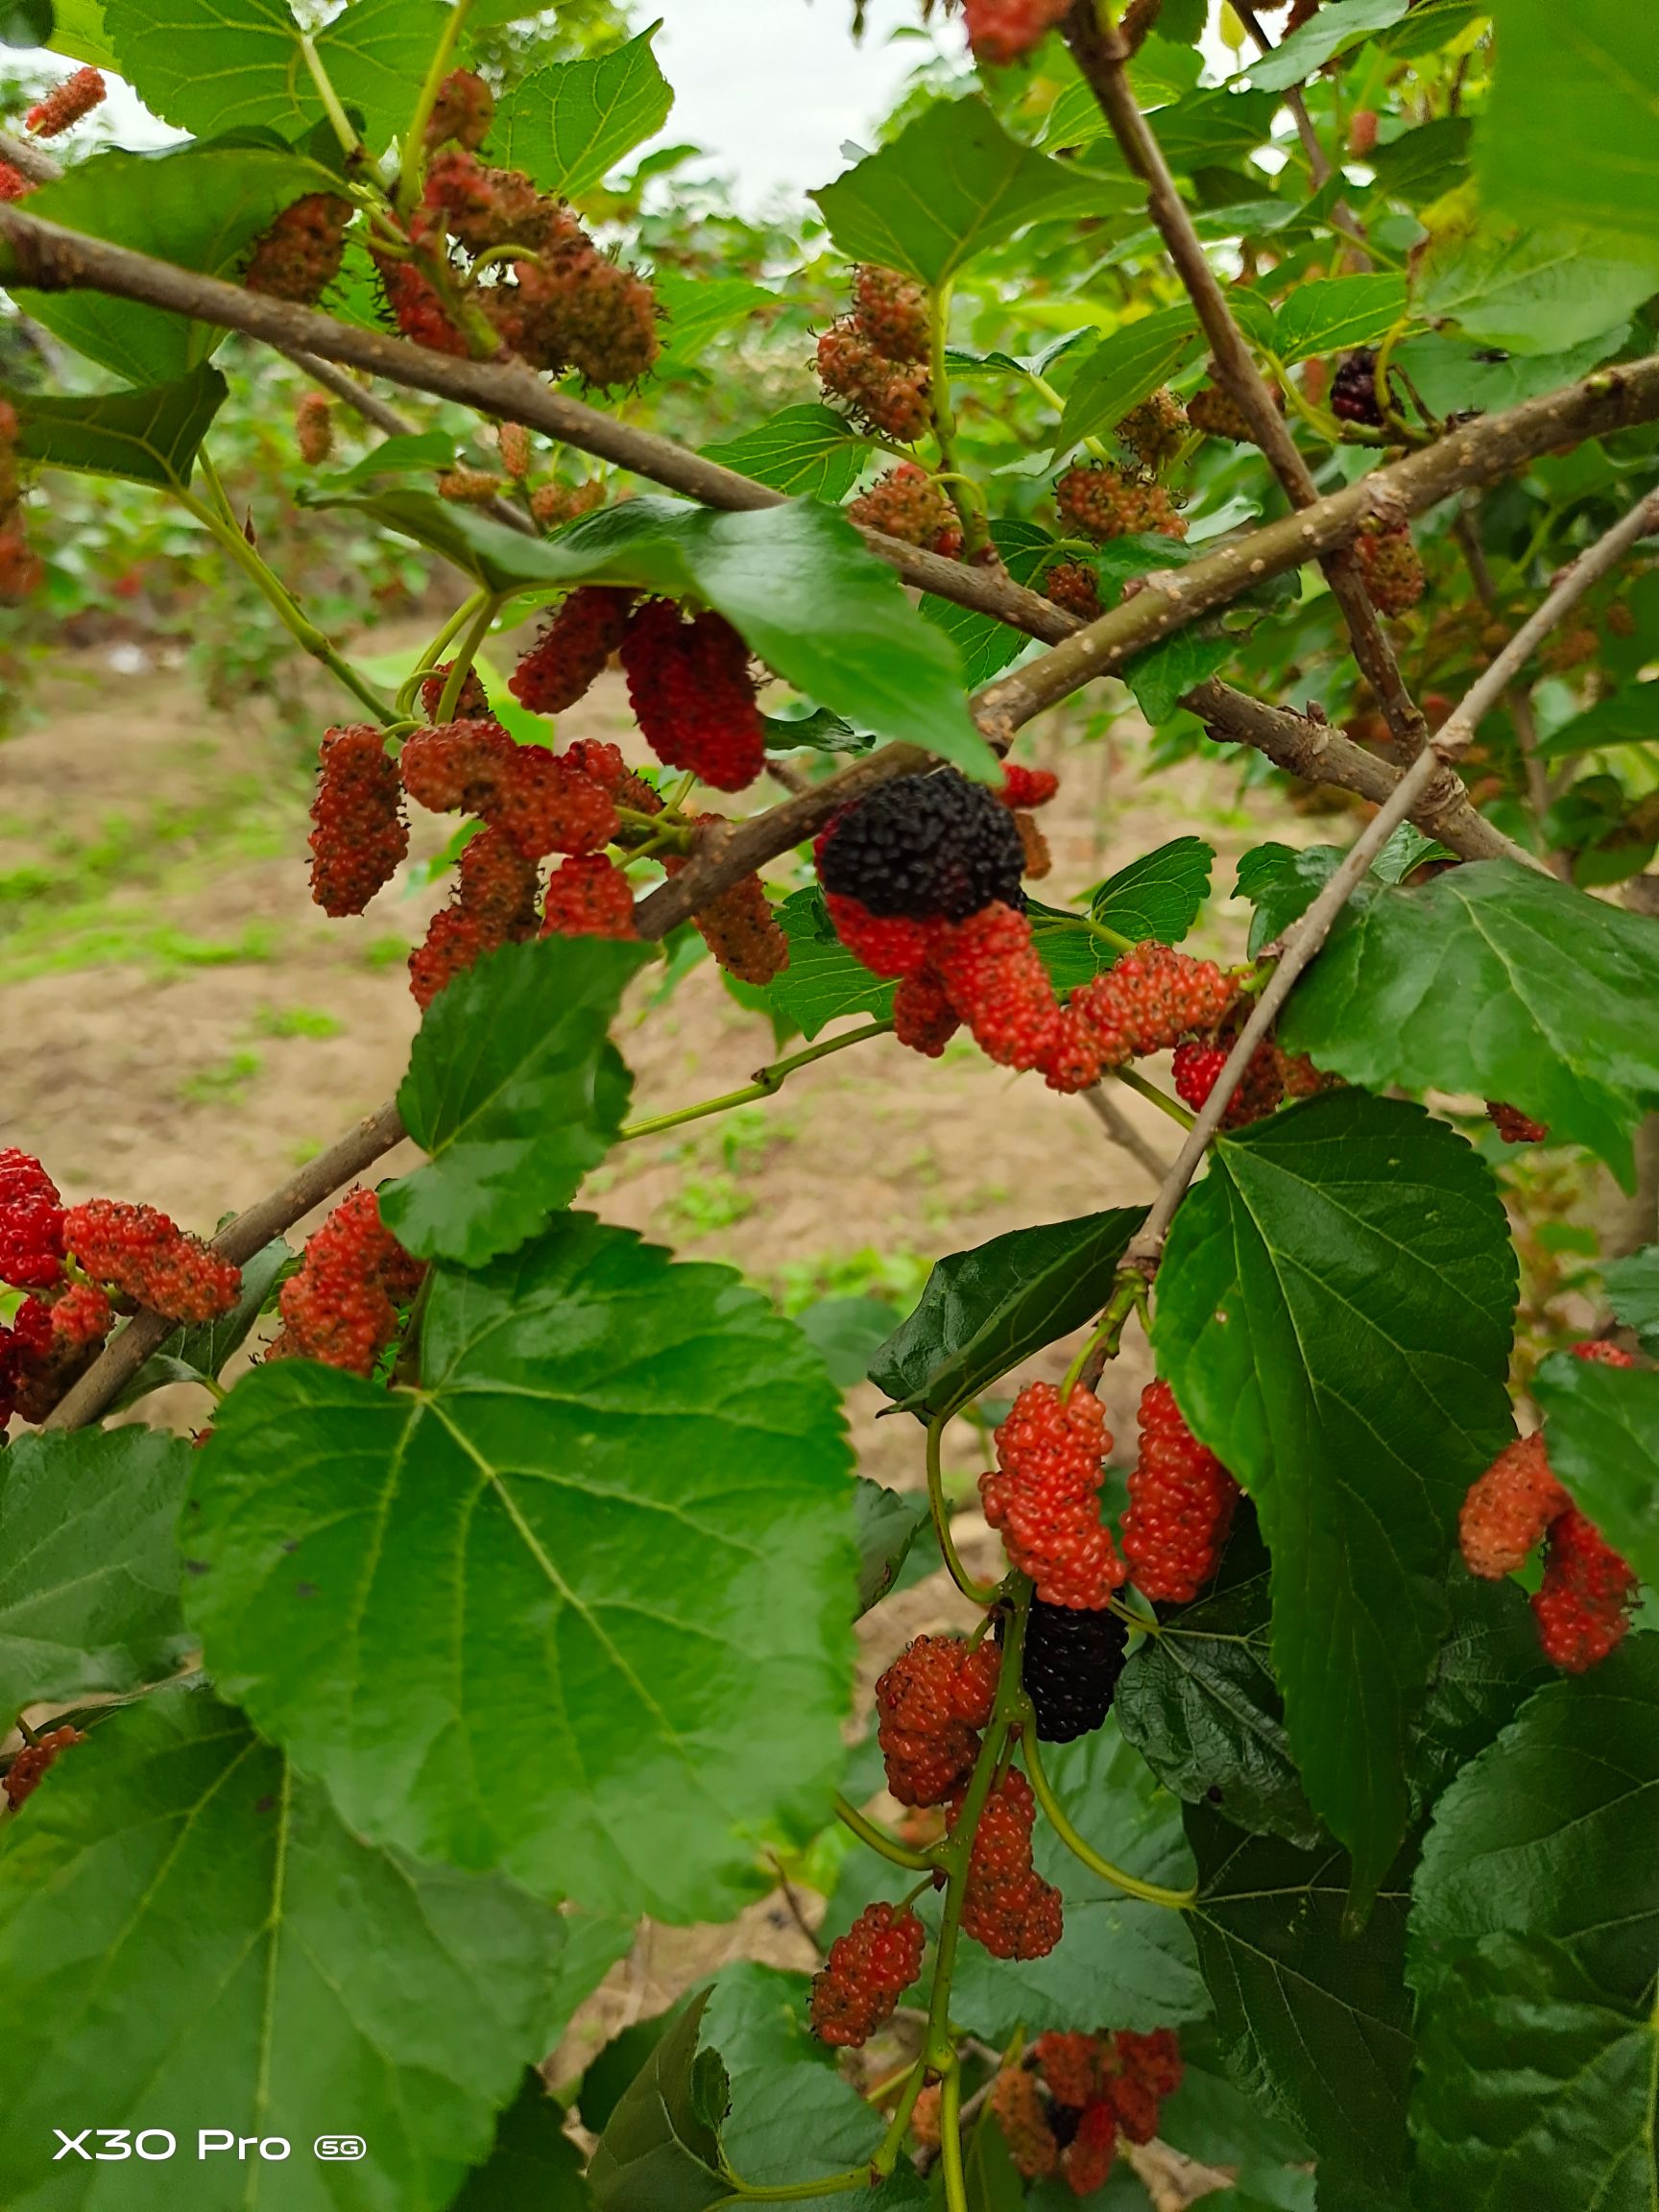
(1272, 1077)
(868, 1970)
(1005, 31)
(1152, 999)
(464, 487)
(1584, 1603)
(908, 503)
(76, 1263)
(1391, 565)
(532, 802)
(553, 504)
(1095, 501)
(548, 291)
(24, 1775)
(148, 1260)
(1006, 1904)
(341, 1307)
(65, 104)
(1043, 1496)
(876, 359)
(299, 256)
(1100, 2085)
(1072, 1658)
(930, 1706)
(1181, 1501)
(359, 836)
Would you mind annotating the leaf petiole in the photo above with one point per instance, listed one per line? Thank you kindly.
(1151, 1892)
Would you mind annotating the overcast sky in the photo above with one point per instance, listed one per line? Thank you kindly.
(771, 87)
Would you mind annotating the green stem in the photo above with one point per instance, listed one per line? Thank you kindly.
(413, 155)
(1095, 447)
(1151, 1893)
(1159, 1098)
(1101, 929)
(951, 2137)
(969, 513)
(795, 2191)
(939, 1511)
(340, 122)
(304, 632)
(938, 2052)
(409, 690)
(880, 1841)
(466, 653)
(766, 1081)
(887, 2156)
(1129, 1291)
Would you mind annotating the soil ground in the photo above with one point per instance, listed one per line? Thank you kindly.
(184, 1027)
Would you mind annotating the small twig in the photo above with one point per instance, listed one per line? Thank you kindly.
(1099, 53)
(1124, 1132)
(792, 1905)
(1305, 937)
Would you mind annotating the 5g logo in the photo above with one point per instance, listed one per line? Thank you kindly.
(340, 2146)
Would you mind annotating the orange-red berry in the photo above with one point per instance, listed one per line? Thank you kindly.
(359, 835)
(1181, 1501)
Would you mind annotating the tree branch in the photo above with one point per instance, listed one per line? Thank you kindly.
(1305, 938)
(1100, 54)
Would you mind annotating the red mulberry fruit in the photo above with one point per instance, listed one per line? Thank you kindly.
(457, 767)
(1509, 1510)
(358, 835)
(907, 504)
(1392, 567)
(1017, 2105)
(889, 397)
(998, 983)
(545, 804)
(1153, 2059)
(472, 703)
(1198, 1070)
(53, 1346)
(1042, 1495)
(1070, 2066)
(1601, 1354)
(890, 945)
(417, 309)
(1005, 31)
(572, 649)
(868, 1970)
(1074, 585)
(924, 1018)
(23, 1775)
(930, 1705)
(693, 696)
(338, 1307)
(587, 898)
(299, 256)
(1095, 501)
(13, 184)
(742, 933)
(1514, 1126)
(1087, 2161)
(891, 311)
(1026, 788)
(1155, 430)
(1150, 1001)
(1181, 1501)
(314, 428)
(31, 1224)
(1584, 1606)
(67, 103)
(1006, 1904)
(462, 111)
(150, 1259)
